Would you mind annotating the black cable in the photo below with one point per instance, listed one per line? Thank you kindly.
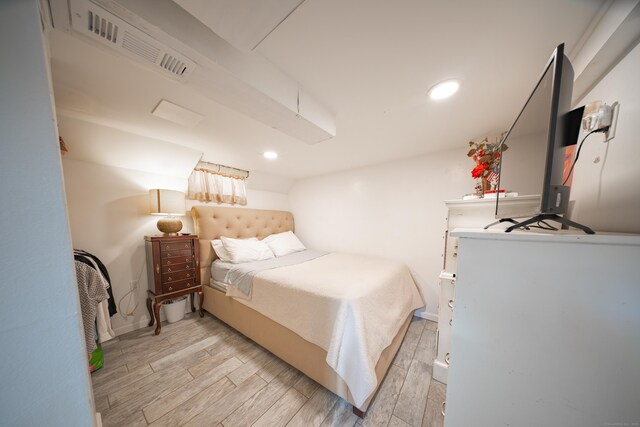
(578, 154)
(543, 225)
(546, 226)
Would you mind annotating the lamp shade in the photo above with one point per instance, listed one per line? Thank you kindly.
(166, 202)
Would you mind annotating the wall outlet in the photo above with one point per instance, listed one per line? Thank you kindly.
(611, 132)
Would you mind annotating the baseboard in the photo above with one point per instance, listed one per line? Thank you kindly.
(429, 316)
(142, 323)
(440, 371)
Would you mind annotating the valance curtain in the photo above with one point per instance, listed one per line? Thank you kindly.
(207, 185)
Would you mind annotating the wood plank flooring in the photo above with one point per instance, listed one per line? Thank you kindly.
(200, 372)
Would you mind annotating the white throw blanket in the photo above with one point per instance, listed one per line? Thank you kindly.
(351, 306)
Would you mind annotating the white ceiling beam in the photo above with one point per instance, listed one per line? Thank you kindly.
(613, 34)
(243, 81)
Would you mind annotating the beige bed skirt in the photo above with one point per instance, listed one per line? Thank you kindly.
(289, 346)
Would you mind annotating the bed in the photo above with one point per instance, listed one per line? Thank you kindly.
(212, 222)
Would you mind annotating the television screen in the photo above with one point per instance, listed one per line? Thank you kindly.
(533, 163)
(522, 165)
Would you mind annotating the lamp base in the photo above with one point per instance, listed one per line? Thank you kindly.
(169, 226)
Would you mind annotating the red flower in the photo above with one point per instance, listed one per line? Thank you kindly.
(478, 171)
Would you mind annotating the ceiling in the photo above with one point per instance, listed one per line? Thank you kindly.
(369, 62)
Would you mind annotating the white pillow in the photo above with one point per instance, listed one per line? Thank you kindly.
(219, 249)
(284, 243)
(246, 250)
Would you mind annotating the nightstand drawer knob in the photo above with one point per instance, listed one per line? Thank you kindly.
(170, 288)
(167, 247)
(186, 246)
(168, 270)
(188, 275)
(188, 285)
(169, 279)
(168, 262)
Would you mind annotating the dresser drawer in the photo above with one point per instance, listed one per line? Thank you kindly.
(178, 275)
(176, 253)
(174, 267)
(177, 260)
(175, 246)
(178, 285)
(451, 254)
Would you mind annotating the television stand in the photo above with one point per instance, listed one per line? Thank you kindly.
(547, 217)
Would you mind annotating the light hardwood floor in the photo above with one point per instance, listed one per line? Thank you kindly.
(200, 372)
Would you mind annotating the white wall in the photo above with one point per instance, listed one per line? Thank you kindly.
(108, 213)
(397, 210)
(394, 210)
(44, 376)
(606, 186)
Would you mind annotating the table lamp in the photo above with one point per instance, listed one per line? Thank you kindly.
(170, 204)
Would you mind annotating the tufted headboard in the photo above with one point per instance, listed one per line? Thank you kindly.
(211, 222)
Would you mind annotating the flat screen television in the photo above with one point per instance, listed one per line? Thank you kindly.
(538, 142)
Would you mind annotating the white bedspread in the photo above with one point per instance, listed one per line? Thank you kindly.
(351, 306)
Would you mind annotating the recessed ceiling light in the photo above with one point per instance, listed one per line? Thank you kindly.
(271, 155)
(444, 90)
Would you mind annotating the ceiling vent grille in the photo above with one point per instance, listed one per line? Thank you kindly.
(106, 28)
(103, 28)
(139, 47)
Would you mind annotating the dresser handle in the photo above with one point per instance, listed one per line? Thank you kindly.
(188, 266)
(170, 288)
(169, 279)
(168, 262)
(450, 321)
(450, 303)
(168, 270)
(167, 247)
(188, 285)
(447, 359)
(188, 275)
(444, 405)
(186, 246)
(157, 268)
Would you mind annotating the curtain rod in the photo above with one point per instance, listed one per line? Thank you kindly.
(219, 166)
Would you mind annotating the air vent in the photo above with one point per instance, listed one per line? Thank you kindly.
(173, 64)
(103, 28)
(106, 28)
(139, 47)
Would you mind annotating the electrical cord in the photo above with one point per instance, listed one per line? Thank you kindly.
(130, 312)
(578, 152)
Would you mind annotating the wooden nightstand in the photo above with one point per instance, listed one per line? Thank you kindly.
(173, 270)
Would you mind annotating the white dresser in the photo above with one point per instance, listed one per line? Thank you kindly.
(546, 330)
(462, 214)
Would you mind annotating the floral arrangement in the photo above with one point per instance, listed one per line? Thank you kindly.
(487, 158)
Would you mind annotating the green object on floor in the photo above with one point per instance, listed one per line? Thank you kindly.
(96, 361)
